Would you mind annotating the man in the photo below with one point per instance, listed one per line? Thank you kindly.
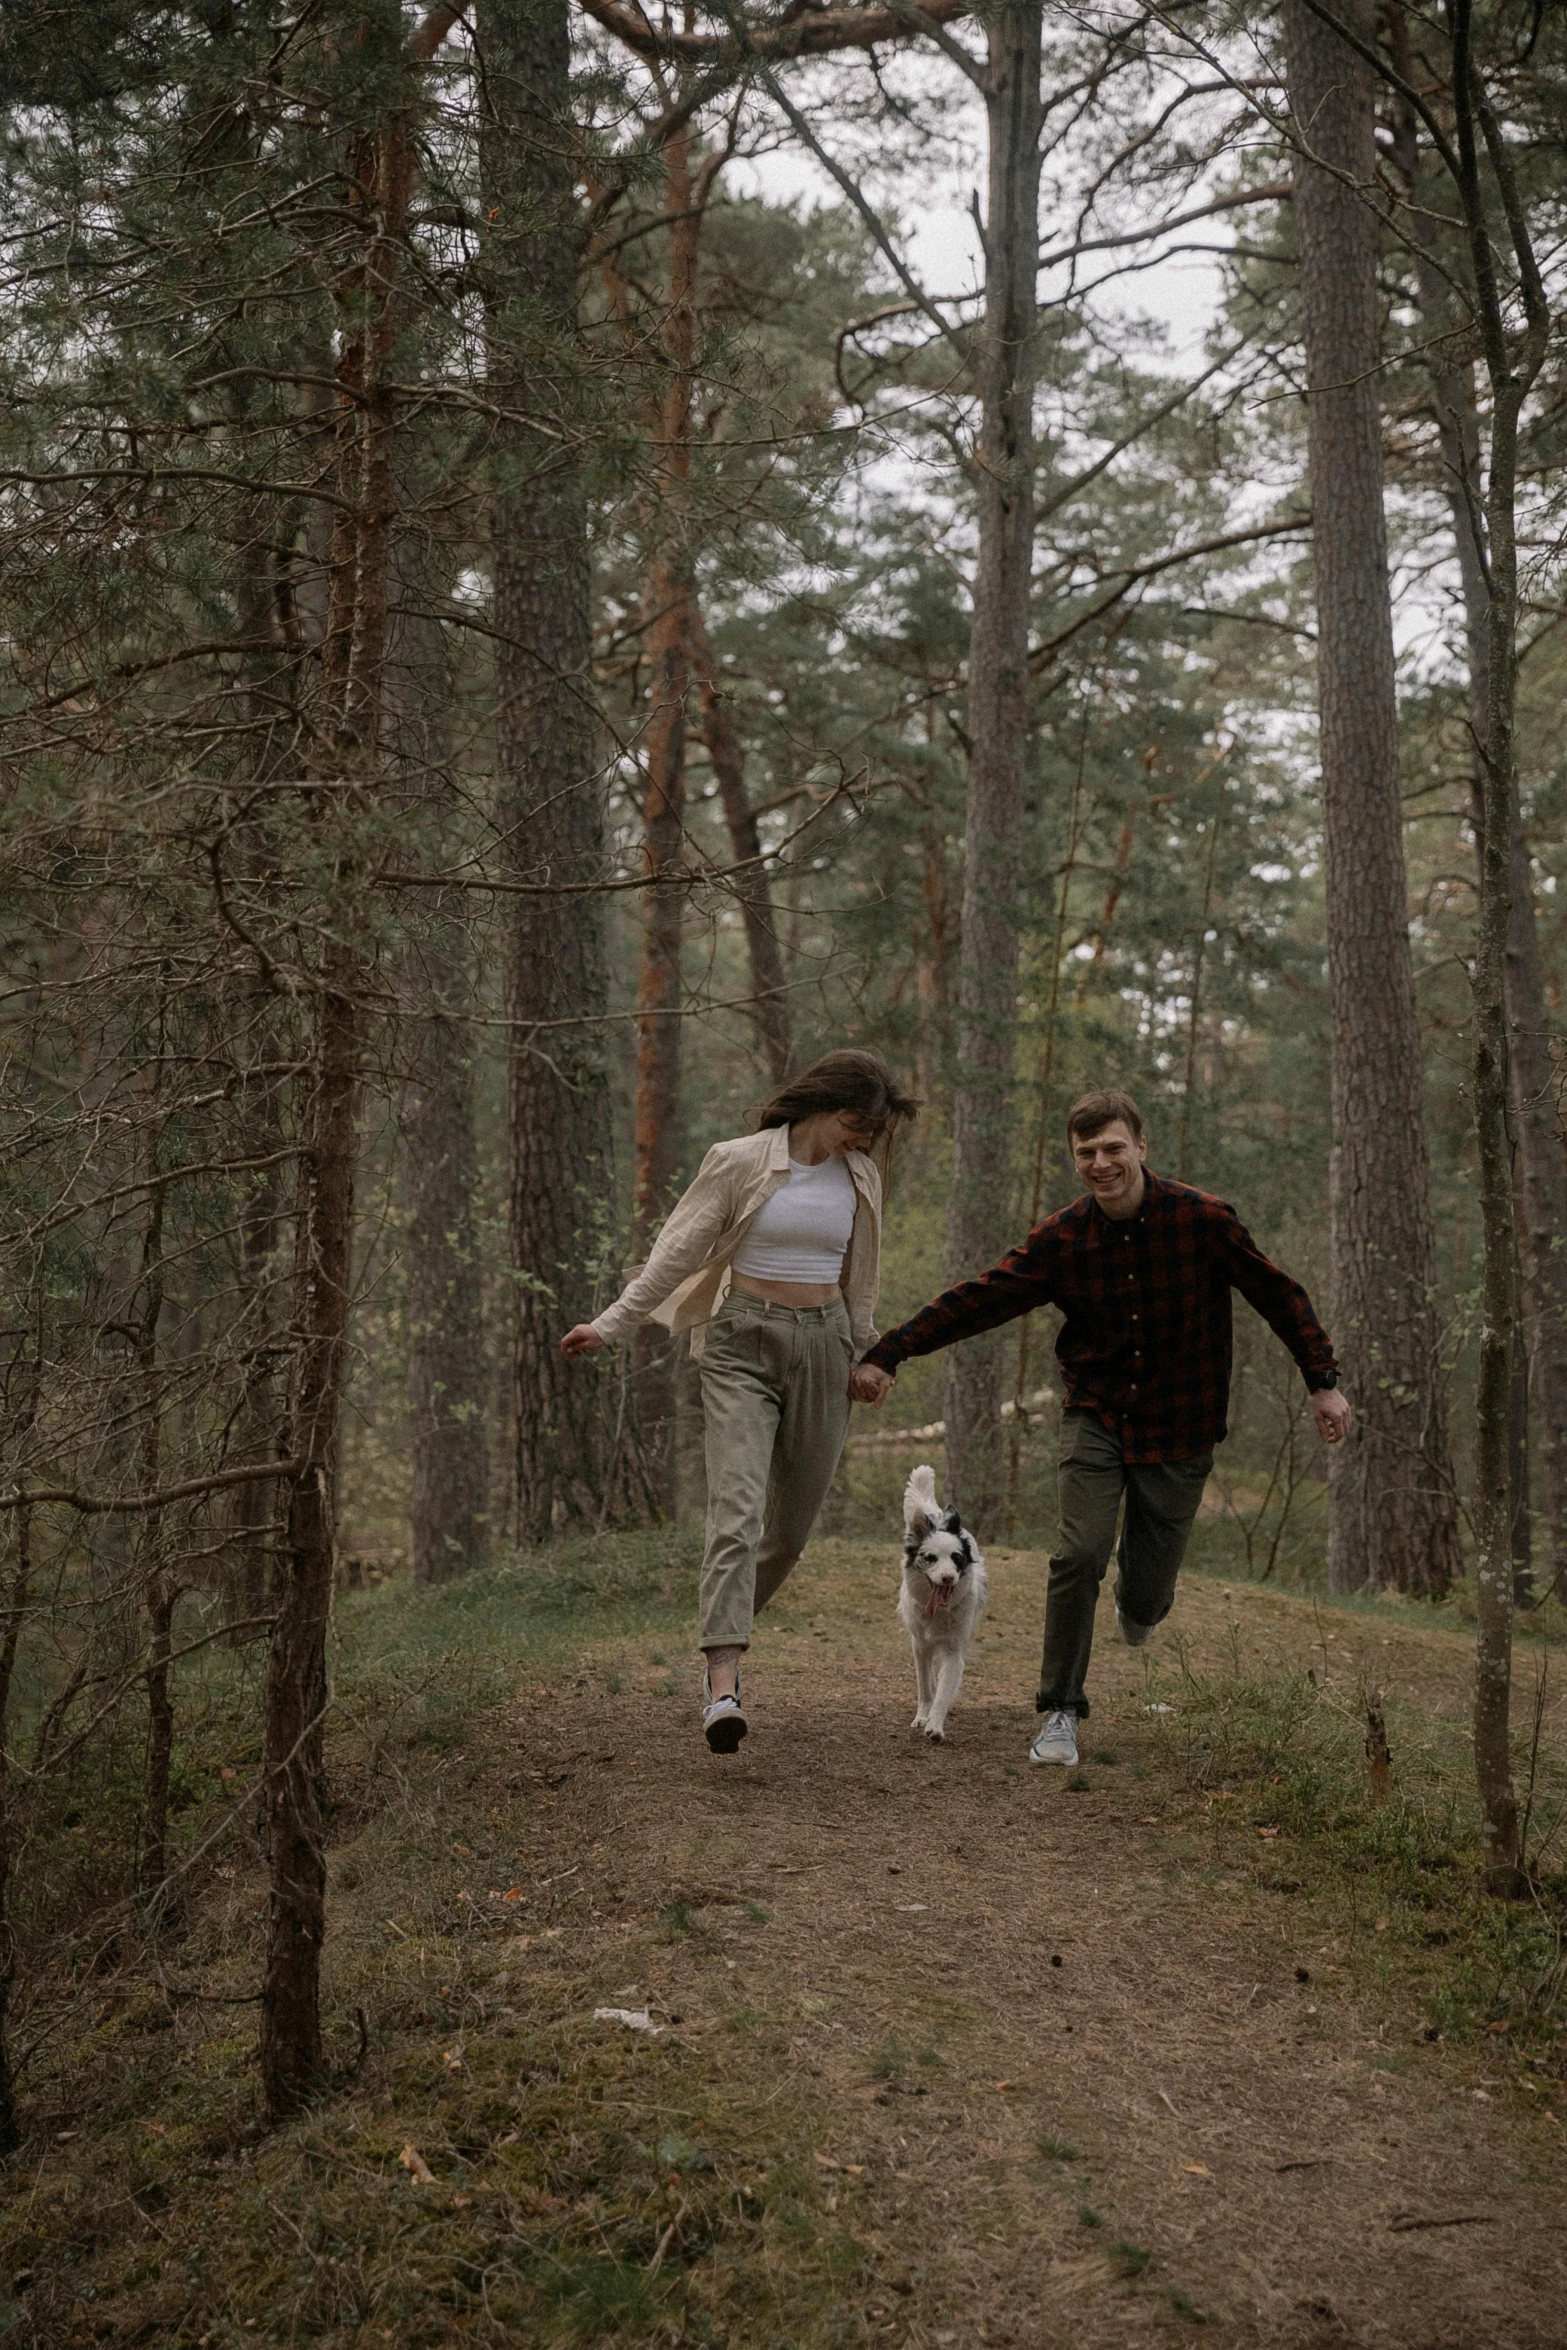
(1142, 1269)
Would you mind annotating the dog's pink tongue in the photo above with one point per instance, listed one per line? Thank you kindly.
(939, 1594)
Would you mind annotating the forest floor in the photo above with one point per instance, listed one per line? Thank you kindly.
(947, 2050)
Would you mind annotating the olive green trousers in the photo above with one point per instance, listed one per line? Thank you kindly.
(775, 1408)
(1161, 1500)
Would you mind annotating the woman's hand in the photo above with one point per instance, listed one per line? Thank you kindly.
(583, 1340)
(869, 1384)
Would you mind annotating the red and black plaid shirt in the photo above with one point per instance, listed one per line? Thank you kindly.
(1147, 1337)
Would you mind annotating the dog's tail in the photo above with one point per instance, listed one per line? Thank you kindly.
(921, 1509)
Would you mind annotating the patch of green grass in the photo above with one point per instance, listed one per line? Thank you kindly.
(757, 1914)
(890, 2061)
(594, 2297)
(1399, 1883)
(1079, 1783)
(563, 2151)
(1184, 2306)
(675, 1918)
(1057, 2150)
(1129, 2261)
(1103, 1755)
(1087, 2217)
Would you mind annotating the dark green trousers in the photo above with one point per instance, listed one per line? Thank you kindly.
(1161, 1501)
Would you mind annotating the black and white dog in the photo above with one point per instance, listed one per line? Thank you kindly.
(942, 1599)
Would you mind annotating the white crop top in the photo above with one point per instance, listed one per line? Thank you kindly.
(801, 1231)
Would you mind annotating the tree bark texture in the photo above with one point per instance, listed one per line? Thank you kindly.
(272, 682)
(448, 1375)
(1003, 474)
(656, 1112)
(1540, 1168)
(1541, 1185)
(16, 1602)
(295, 1698)
(1392, 1508)
(1493, 1418)
(1513, 362)
(669, 602)
(573, 1461)
(726, 753)
(378, 167)
(158, 1595)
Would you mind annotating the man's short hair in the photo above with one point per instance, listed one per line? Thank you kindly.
(1095, 1111)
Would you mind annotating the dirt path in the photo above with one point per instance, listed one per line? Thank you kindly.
(1086, 2084)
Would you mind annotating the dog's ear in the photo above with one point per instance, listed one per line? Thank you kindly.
(921, 1509)
(952, 1524)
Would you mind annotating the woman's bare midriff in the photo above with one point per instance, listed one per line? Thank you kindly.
(787, 1293)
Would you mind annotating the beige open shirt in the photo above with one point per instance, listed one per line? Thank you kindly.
(686, 1278)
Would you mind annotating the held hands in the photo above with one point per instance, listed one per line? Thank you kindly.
(583, 1340)
(868, 1384)
(1330, 1409)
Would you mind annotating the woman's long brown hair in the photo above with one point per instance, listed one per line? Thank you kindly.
(855, 1081)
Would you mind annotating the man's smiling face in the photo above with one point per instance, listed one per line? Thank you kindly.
(1111, 1164)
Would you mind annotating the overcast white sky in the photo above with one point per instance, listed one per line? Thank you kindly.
(940, 246)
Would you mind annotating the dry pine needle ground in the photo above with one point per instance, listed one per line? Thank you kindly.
(948, 2051)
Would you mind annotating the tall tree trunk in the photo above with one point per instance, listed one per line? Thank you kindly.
(769, 983)
(16, 1603)
(159, 1601)
(256, 1424)
(447, 1372)
(448, 1377)
(656, 1115)
(1392, 1508)
(570, 1472)
(270, 670)
(295, 1698)
(669, 600)
(158, 1595)
(1540, 1172)
(1003, 473)
(1542, 1168)
(379, 165)
(930, 952)
(1513, 362)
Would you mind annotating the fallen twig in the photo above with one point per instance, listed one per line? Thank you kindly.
(1461, 2219)
(665, 2240)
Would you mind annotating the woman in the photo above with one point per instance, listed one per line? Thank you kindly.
(771, 1261)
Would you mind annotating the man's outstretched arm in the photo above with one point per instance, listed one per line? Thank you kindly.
(1020, 1282)
(1289, 1313)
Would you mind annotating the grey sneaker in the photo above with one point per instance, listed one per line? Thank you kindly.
(1057, 1740)
(724, 1724)
(1133, 1634)
(723, 1718)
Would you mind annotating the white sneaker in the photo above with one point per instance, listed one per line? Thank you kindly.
(1133, 1634)
(1057, 1740)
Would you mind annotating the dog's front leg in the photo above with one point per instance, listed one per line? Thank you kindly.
(948, 1682)
(924, 1684)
